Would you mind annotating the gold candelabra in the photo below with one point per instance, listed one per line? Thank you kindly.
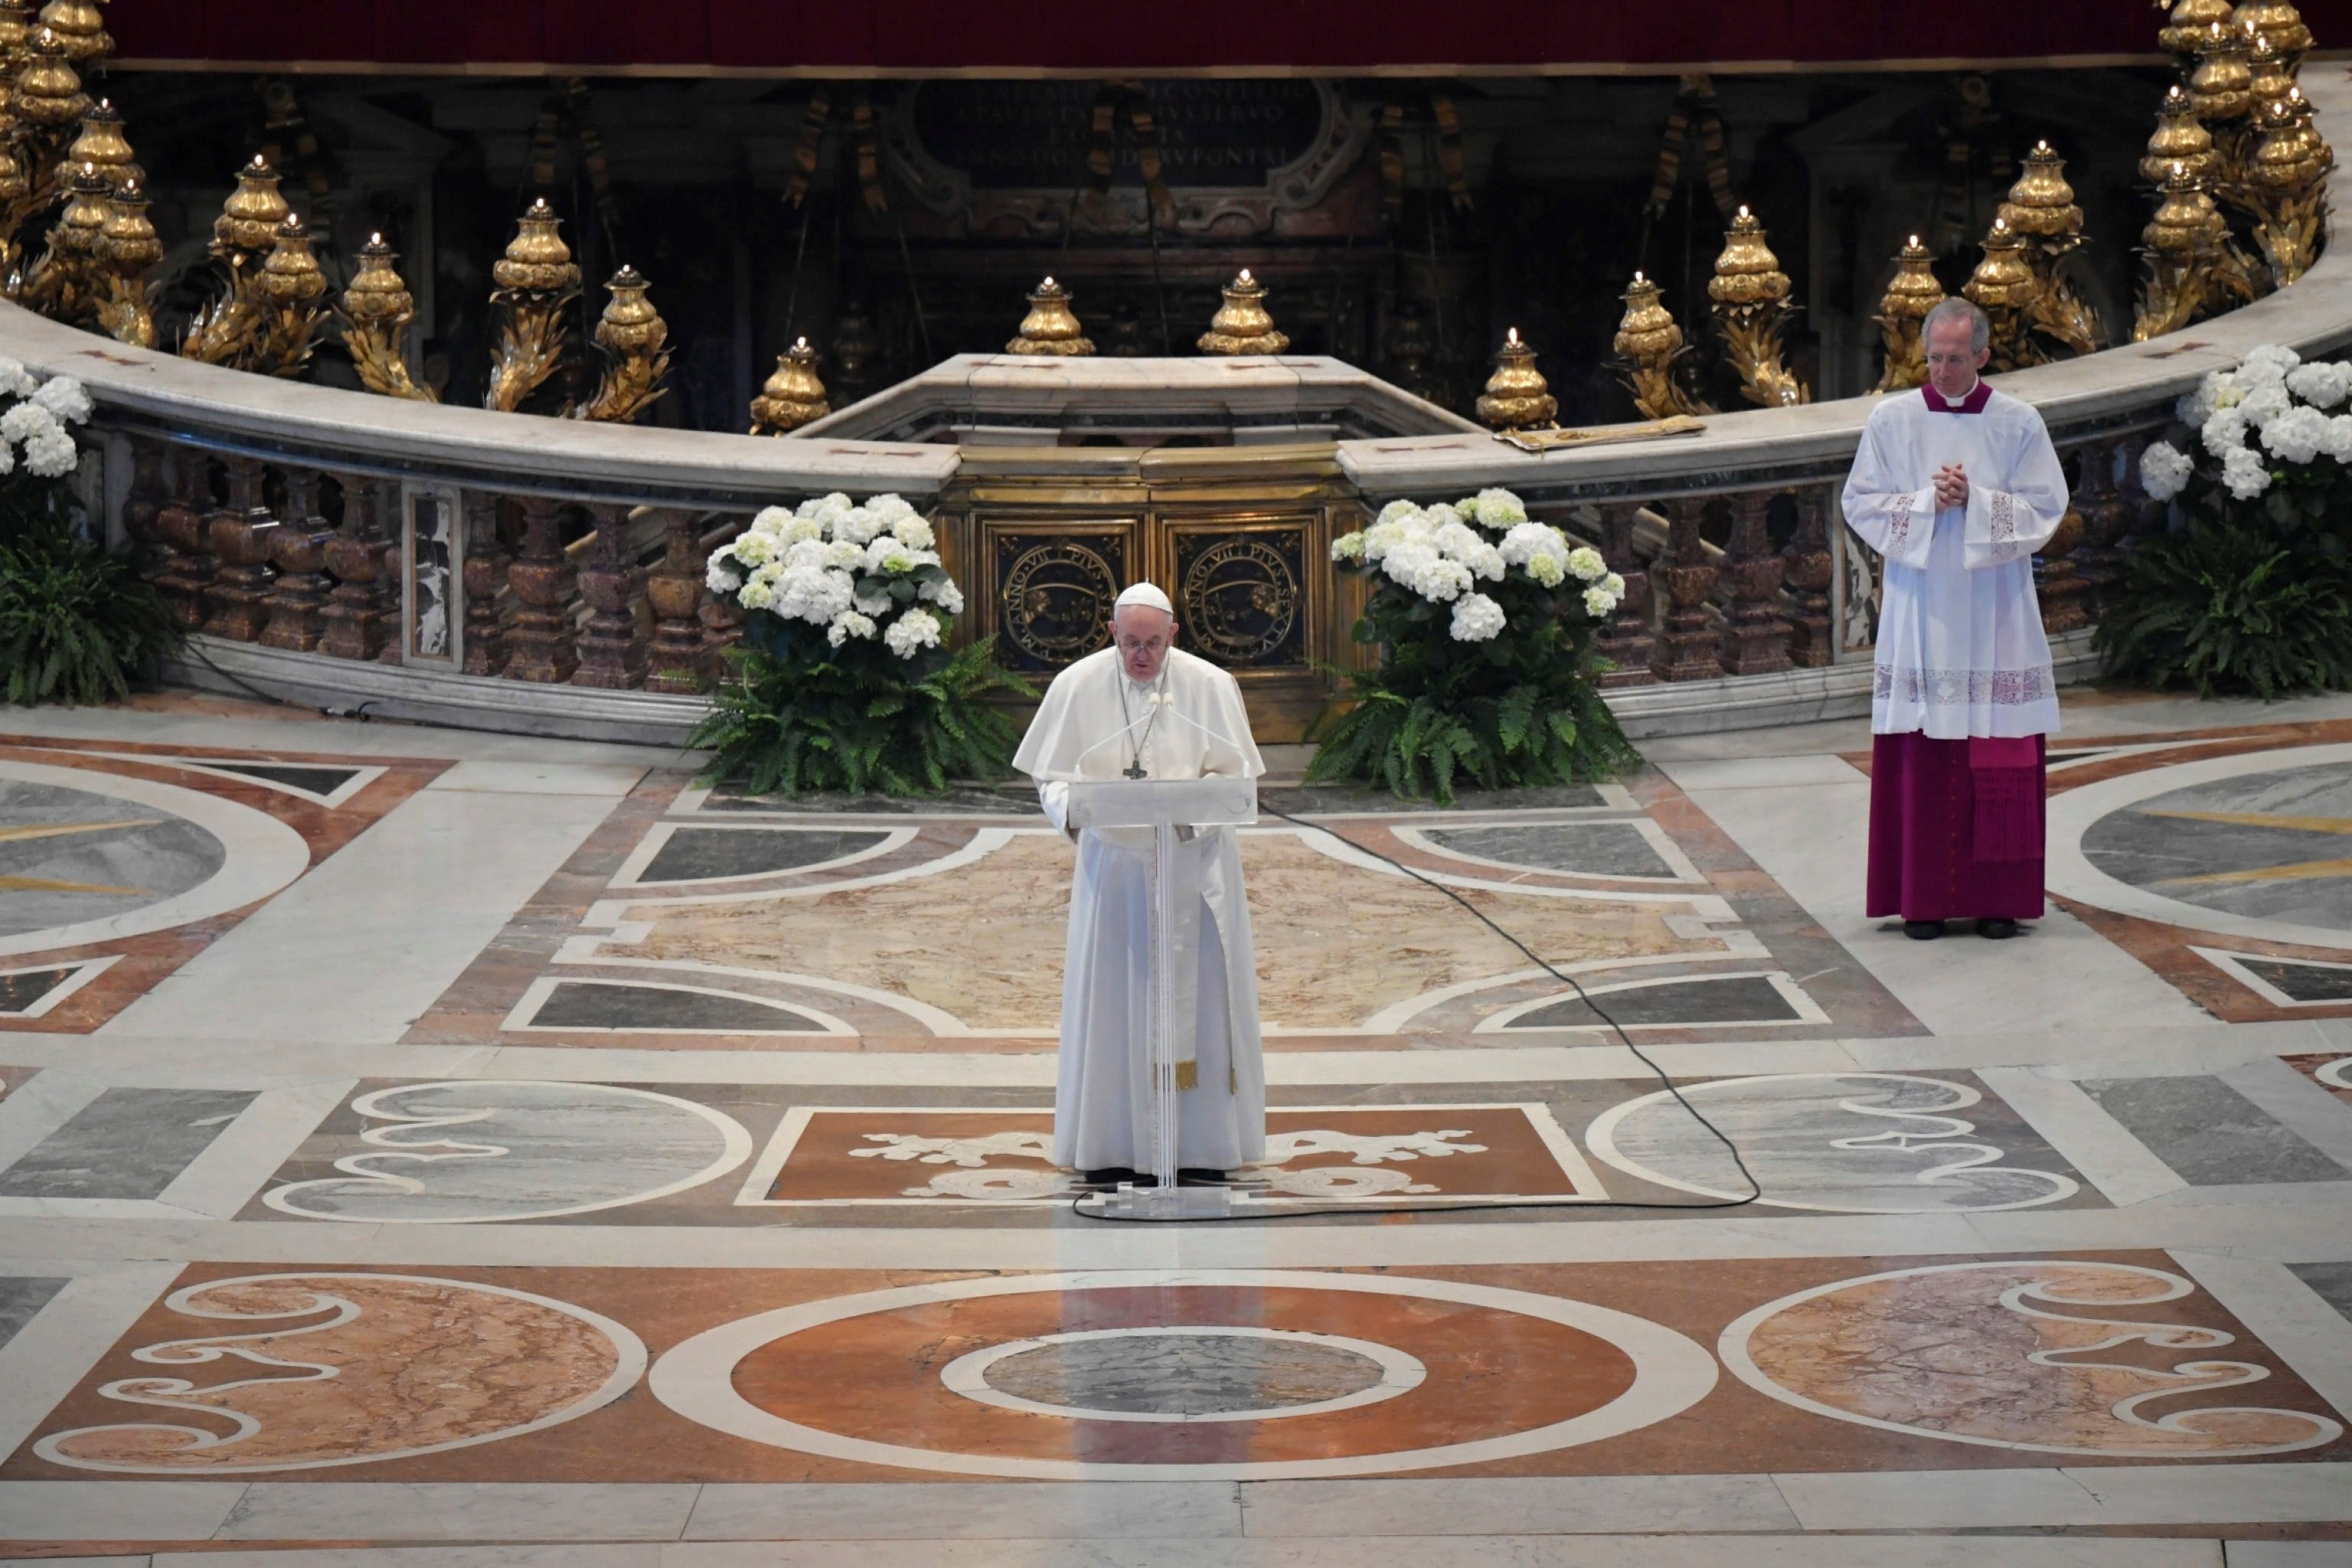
(633, 340)
(102, 145)
(1516, 394)
(227, 329)
(1910, 294)
(376, 310)
(1751, 295)
(128, 250)
(792, 396)
(2179, 250)
(1648, 344)
(2178, 138)
(2186, 24)
(63, 281)
(2277, 24)
(288, 292)
(2286, 181)
(1050, 327)
(1243, 326)
(2222, 89)
(45, 101)
(2005, 288)
(2041, 212)
(537, 282)
(80, 28)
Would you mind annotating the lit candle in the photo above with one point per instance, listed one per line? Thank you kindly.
(1637, 277)
(1046, 285)
(800, 343)
(1743, 209)
(375, 239)
(1914, 242)
(1245, 278)
(1512, 337)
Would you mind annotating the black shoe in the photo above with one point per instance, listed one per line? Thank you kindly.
(1111, 1177)
(1999, 930)
(1199, 1176)
(1923, 931)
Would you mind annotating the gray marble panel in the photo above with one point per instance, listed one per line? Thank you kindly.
(695, 852)
(1594, 849)
(575, 1004)
(1741, 999)
(2208, 1132)
(967, 800)
(2167, 843)
(317, 780)
(77, 854)
(21, 989)
(1316, 799)
(2331, 1281)
(21, 1296)
(1183, 1375)
(126, 1143)
(2304, 982)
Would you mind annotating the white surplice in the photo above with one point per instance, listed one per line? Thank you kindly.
(1102, 1102)
(1960, 647)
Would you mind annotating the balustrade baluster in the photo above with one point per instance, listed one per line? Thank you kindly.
(357, 620)
(542, 577)
(242, 534)
(149, 493)
(485, 578)
(1808, 566)
(1755, 633)
(2107, 519)
(612, 653)
(299, 549)
(1626, 642)
(2055, 584)
(1686, 648)
(722, 624)
(188, 569)
(675, 588)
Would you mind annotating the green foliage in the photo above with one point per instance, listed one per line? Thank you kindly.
(801, 716)
(1519, 710)
(2232, 607)
(77, 623)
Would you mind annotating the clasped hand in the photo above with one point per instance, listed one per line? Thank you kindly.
(1951, 486)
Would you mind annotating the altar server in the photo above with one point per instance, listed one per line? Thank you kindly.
(1956, 486)
(1141, 709)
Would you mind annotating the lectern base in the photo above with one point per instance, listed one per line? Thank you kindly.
(1131, 1201)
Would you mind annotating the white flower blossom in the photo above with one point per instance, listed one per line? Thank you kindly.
(1397, 512)
(1599, 602)
(1585, 563)
(846, 625)
(825, 506)
(911, 633)
(2164, 470)
(2322, 383)
(912, 531)
(2225, 432)
(1498, 508)
(718, 578)
(816, 596)
(2297, 434)
(891, 507)
(1548, 570)
(2265, 404)
(843, 553)
(944, 594)
(2339, 439)
(2267, 365)
(1383, 537)
(65, 398)
(15, 381)
(801, 531)
(886, 557)
(52, 455)
(2245, 473)
(1613, 585)
(756, 596)
(871, 603)
(1348, 546)
(26, 420)
(1476, 618)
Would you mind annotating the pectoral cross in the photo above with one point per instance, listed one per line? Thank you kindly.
(1135, 769)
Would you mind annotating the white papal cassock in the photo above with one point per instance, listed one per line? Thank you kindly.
(1102, 1105)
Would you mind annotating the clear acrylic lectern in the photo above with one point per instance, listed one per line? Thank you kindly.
(1163, 805)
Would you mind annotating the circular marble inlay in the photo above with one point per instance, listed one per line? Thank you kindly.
(89, 855)
(2267, 845)
(860, 1378)
(1183, 1373)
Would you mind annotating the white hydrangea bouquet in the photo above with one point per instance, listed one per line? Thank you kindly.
(35, 434)
(1484, 621)
(2267, 431)
(845, 680)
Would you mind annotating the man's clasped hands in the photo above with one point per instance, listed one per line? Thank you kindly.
(1951, 486)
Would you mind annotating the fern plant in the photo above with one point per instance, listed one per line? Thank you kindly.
(2224, 607)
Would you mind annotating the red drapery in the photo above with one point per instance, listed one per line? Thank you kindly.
(1337, 37)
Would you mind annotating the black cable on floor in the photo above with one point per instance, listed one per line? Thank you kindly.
(1439, 1206)
(241, 683)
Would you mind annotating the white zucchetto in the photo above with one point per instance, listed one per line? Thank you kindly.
(1145, 595)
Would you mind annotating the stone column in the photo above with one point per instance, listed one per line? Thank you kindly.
(189, 564)
(1626, 642)
(297, 603)
(1755, 634)
(360, 556)
(2106, 519)
(1807, 567)
(675, 588)
(1686, 648)
(150, 492)
(485, 578)
(242, 535)
(611, 654)
(542, 576)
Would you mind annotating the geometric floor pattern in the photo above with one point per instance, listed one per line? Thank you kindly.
(446, 1150)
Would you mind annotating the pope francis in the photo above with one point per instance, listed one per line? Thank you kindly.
(1144, 709)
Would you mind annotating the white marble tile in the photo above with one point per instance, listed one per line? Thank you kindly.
(2059, 1496)
(35, 1110)
(141, 1561)
(975, 1512)
(437, 1511)
(2094, 1142)
(366, 942)
(531, 1556)
(2288, 1554)
(1515, 1505)
(552, 775)
(115, 1510)
(2286, 1314)
(1428, 1551)
(1693, 774)
(44, 1361)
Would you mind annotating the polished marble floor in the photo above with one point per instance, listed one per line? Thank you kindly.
(435, 1150)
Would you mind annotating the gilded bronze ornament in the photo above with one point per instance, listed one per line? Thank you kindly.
(2005, 288)
(128, 249)
(102, 145)
(2286, 183)
(1243, 326)
(81, 29)
(1750, 295)
(2040, 210)
(1910, 294)
(2187, 24)
(46, 102)
(1050, 327)
(2180, 138)
(63, 281)
(1648, 344)
(376, 310)
(537, 283)
(227, 329)
(2277, 24)
(792, 396)
(2179, 249)
(289, 291)
(246, 229)
(633, 340)
(1515, 396)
